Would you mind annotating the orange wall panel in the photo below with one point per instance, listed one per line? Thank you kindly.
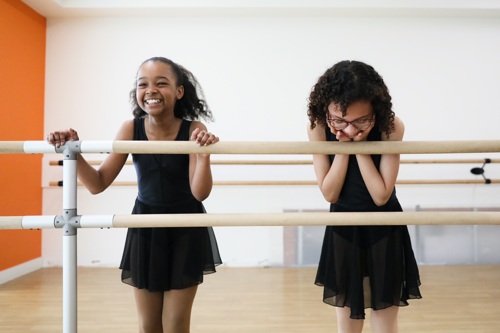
(22, 64)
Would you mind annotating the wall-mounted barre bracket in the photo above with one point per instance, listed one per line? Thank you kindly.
(480, 171)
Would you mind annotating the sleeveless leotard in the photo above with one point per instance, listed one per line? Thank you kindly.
(366, 266)
(161, 259)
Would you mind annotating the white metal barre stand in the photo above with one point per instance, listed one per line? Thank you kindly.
(70, 221)
(70, 312)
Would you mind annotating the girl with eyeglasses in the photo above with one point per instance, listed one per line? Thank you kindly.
(368, 266)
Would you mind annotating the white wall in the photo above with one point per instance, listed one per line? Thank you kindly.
(257, 72)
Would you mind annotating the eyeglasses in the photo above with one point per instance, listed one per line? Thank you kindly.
(359, 124)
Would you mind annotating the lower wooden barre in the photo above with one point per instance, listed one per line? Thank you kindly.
(312, 219)
(262, 219)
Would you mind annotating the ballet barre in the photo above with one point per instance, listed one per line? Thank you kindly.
(69, 221)
(309, 162)
(253, 219)
(255, 147)
(311, 182)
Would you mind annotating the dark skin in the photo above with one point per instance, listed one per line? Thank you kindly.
(331, 177)
(157, 93)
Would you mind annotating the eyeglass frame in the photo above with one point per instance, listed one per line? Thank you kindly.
(329, 120)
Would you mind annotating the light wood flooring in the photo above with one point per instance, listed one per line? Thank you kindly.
(249, 300)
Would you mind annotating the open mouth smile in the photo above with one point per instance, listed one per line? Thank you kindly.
(152, 101)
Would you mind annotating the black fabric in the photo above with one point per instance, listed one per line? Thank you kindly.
(161, 259)
(366, 266)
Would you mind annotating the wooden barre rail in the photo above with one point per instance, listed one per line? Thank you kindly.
(309, 162)
(262, 147)
(285, 219)
(312, 182)
(269, 219)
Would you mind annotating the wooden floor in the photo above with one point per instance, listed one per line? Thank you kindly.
(244, 300)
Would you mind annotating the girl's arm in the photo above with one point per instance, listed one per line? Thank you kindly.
(330, 177)
(380, 183)
(200, 173)
(97, 180)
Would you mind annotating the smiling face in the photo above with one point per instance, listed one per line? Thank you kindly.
(157, 90)
(355, 125)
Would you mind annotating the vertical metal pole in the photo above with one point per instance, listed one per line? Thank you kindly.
(69, 243)
(69, 280)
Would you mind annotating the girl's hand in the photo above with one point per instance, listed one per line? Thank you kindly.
(59, 138)
(203, 138)
(341, 136)
(358, 136)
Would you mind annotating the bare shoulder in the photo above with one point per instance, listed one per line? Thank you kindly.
(197, 124)
(399, 130)
(126, 131)
(317, 133)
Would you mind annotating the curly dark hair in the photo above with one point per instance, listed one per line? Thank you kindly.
(347, 82)
(191, 106)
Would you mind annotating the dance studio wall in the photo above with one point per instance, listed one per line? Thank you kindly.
(257, 72)
(22, 52)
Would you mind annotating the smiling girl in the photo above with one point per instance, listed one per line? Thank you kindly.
(164, 265)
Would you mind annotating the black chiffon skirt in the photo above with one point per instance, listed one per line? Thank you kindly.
(162, 259)
(364, 267)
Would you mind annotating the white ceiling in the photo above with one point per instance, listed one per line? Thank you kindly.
(80, 8)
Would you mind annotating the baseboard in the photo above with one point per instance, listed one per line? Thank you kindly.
(20, 270)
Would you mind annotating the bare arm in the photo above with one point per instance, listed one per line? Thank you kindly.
(330, 177)
(380, 183)
(200, 173)
(97, 180)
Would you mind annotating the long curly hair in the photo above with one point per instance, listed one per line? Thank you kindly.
(191, 106)
(347, 82)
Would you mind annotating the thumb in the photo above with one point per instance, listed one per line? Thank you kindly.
(73, 134)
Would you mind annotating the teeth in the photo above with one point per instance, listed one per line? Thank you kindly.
(152, 101)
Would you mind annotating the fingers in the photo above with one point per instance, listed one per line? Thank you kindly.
(204, 138)
(59, 138)
(341, 136)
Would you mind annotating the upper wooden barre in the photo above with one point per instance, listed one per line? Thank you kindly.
(11, 222)
(262, 147)
(265, 219)
(12, 147)
(299, 147)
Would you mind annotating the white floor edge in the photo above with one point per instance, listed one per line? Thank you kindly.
(20, 270)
